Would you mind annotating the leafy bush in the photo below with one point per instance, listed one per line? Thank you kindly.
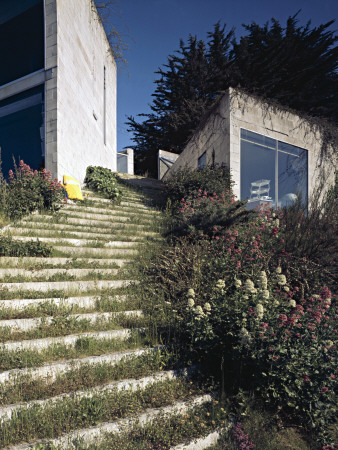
(10, 247)
(186, 182)
(242, 293)
(270, 339)
(313, 234)
(201, 215)
(104, 181)
(28, 190)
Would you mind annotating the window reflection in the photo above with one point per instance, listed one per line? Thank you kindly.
(273, 173)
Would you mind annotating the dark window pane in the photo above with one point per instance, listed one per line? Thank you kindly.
(21, 38)
(202, 161)
(292, 176)
(258, 139)
(257, 172)
(22, 129)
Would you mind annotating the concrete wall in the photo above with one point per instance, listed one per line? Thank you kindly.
(51, 87)
(77, 49)
(165, 160)
(212, 137)
(251, 114)
(219, 136)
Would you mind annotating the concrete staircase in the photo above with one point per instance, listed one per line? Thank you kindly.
(77, 362)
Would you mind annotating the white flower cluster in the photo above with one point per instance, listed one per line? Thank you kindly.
(259, 310)
(245, 336)
(262, 280)
(220, 285)
(250, 287)
(281, 280)
(238, 283)
(198, 310)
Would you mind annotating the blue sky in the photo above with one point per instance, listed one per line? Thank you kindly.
(156, 26)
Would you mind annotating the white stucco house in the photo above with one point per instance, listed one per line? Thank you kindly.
(273, 154)
(57, 87)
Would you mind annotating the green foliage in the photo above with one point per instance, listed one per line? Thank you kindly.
(10, 247)
(103, 180)
(28, 190)
(293, 65)
(186, 182)
(200, 215)
(313, 234)
(245, 294)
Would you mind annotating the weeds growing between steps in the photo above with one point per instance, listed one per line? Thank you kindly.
(50, 308)
(26, 388)
(84, 346)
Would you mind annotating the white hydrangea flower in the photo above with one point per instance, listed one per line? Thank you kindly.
(277, 223)
(281, 280)
(286, 288)
(191, 302)
(250, 287)
(259, 311)
(191, 293)
(292, 303)
(238, 283)
(278, 269)
(199, 311)
(207, 307)
(276, 303)
(265, 294)
(220, 284)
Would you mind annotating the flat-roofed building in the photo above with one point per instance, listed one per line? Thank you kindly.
(57, 87)
(273, 154)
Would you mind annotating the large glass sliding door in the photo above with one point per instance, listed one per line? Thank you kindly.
(272, 171)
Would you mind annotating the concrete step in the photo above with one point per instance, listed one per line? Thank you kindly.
(32, 261)
(77, 242)
(117, 217)
(201, 443)
(69, 340)
(125, 192)
(49, 372)
(36, 322)
(133, 385)
(124, 208)
(92, 435)
(80, 302)
(95, 251)
(44, 273)
(65, 286)
(45, 219)
(70, 233)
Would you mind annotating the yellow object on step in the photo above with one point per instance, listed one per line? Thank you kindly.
(73, 188)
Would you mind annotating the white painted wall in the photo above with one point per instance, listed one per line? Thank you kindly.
(82, 53)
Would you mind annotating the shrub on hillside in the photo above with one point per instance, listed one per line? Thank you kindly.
(268, 338)
(201, 215)
(238, 296)
(28, 190)
(186, 182)
(313, 234)
(10, 247)
(103, 180)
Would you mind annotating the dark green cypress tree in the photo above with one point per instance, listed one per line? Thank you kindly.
(296, 66)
